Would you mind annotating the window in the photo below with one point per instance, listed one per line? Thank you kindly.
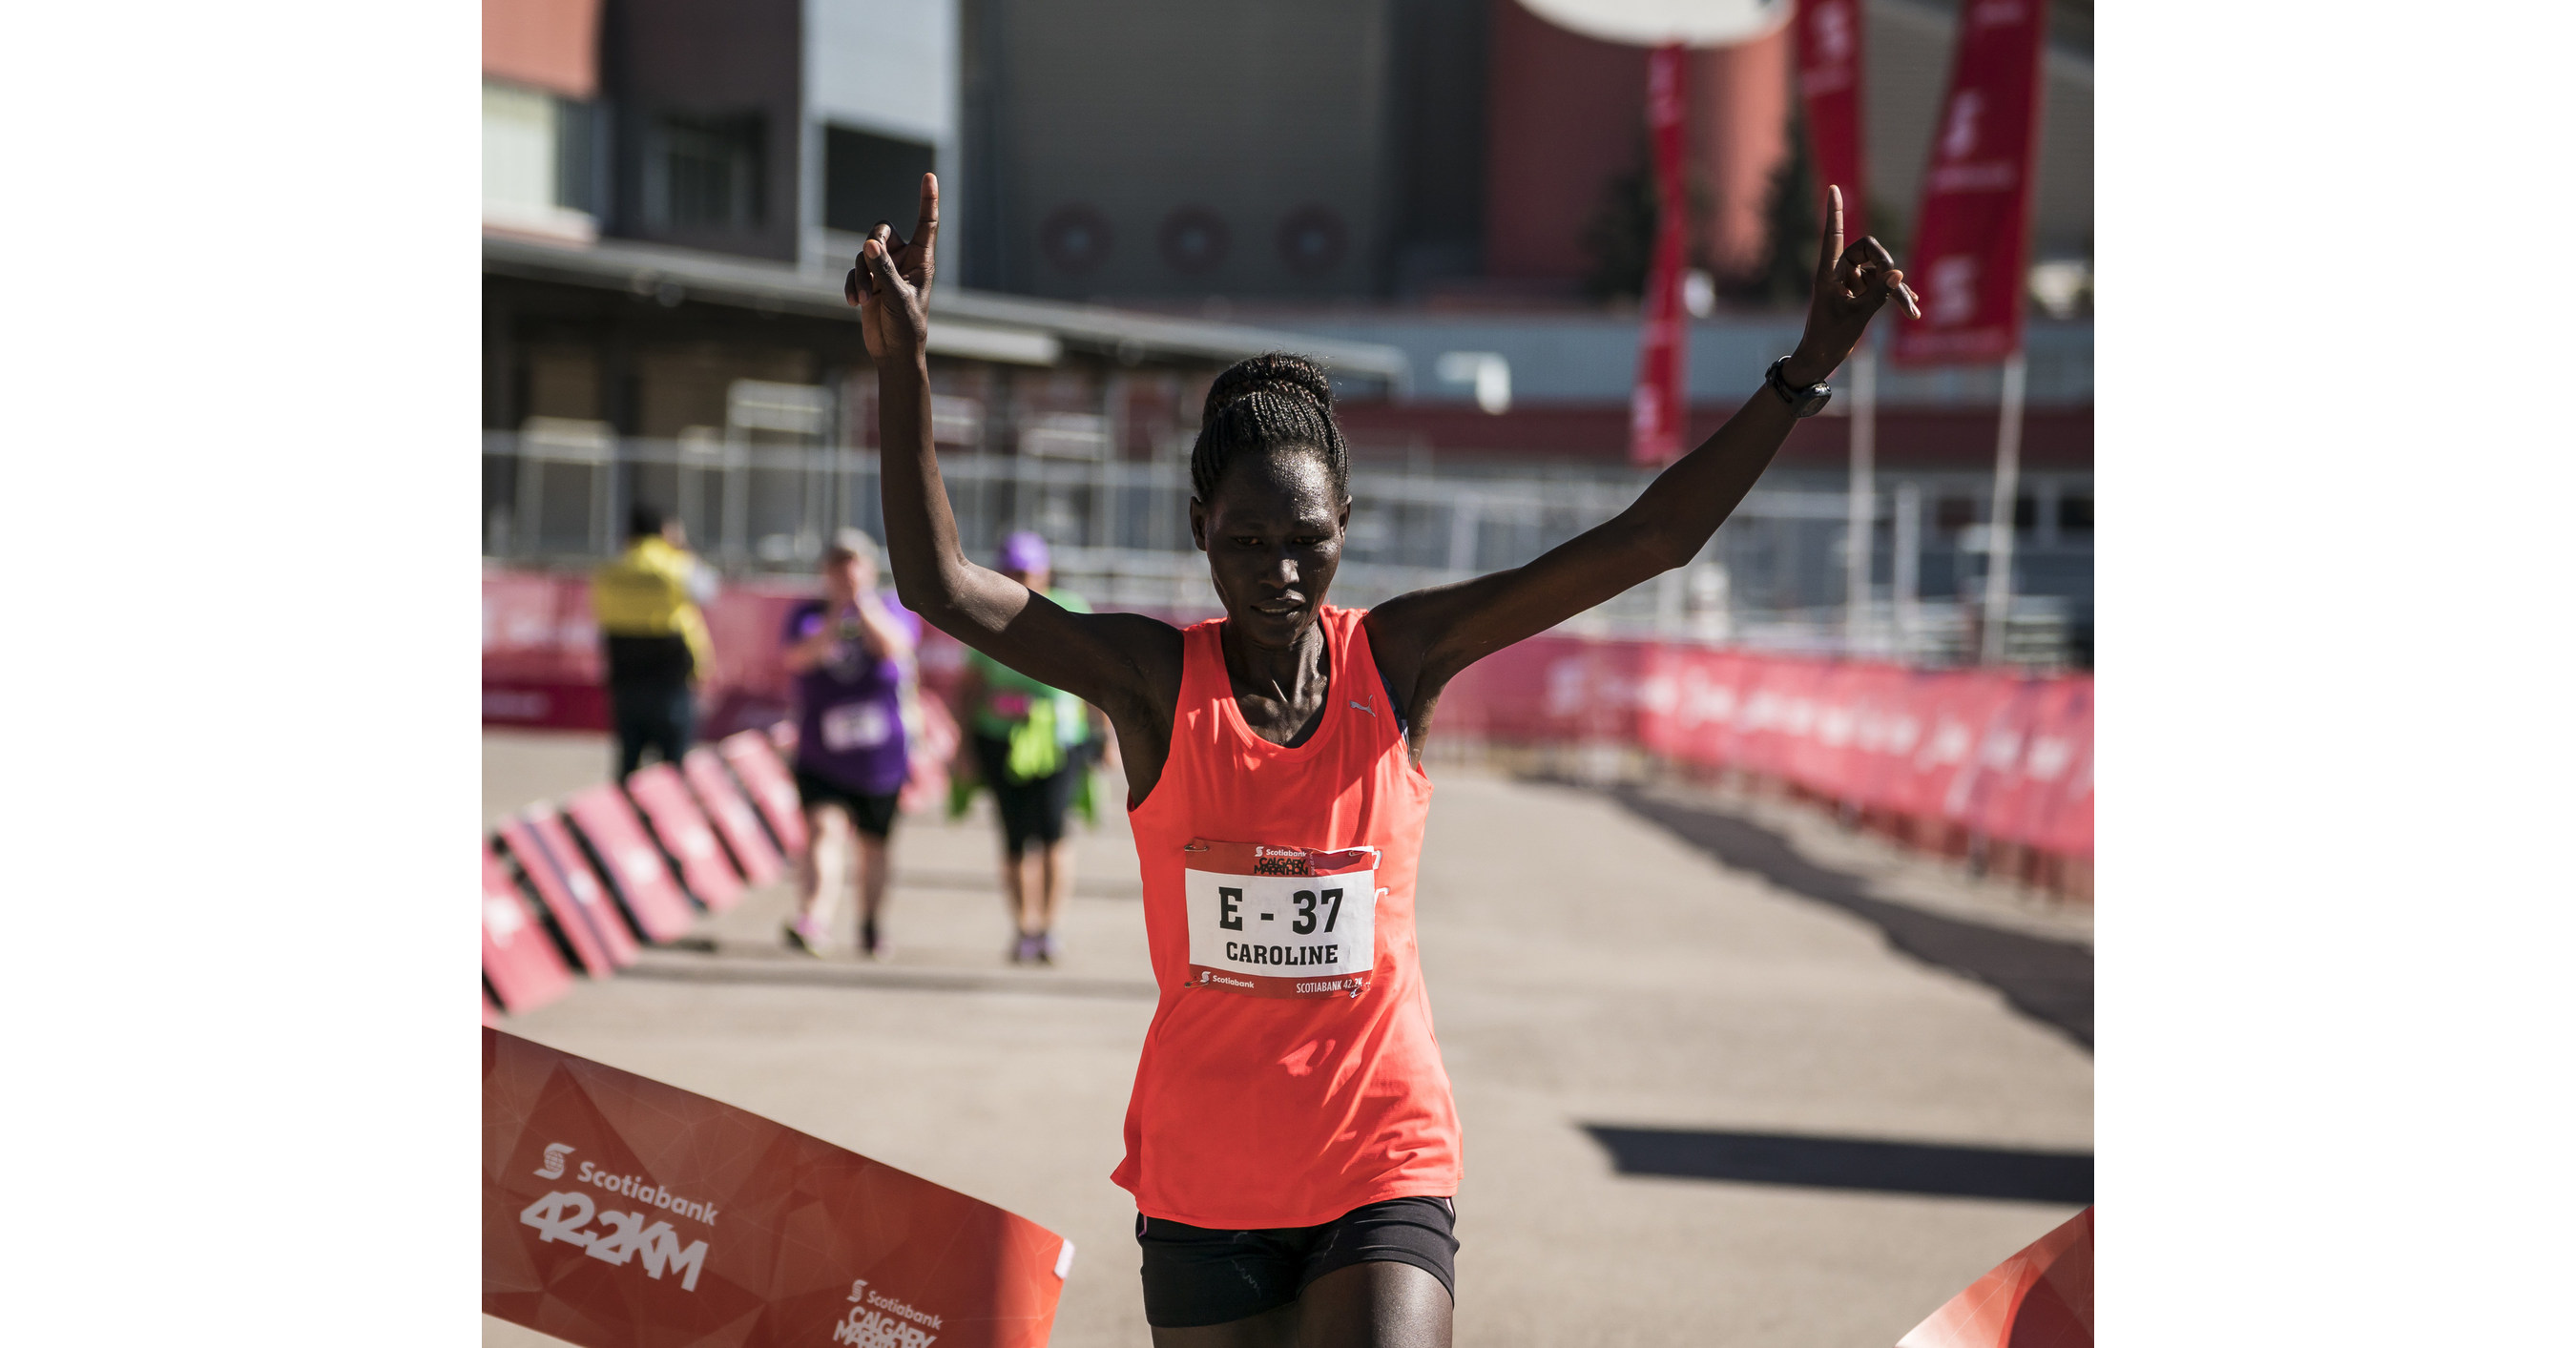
(2025, 514)
(538, 152)
(867, 178)
(2075, 514)
(704, 173)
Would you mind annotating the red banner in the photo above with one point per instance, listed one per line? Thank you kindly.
(1657, 415)
(519, 959)
(619, 1212)
(1829, 87)
(2000, 754)
(637, 874)
(1972, 233)
(664, 798)
(564, 882)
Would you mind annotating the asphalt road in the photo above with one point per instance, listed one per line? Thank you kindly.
(1728, 1075)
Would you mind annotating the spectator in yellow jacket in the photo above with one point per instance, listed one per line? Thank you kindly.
(654, 637)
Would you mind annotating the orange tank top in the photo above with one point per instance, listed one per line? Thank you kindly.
(1290, 1074)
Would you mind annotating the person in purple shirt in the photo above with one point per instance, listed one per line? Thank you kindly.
(850, 652)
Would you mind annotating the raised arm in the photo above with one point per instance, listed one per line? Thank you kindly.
(1119, 661)
(1425, 638)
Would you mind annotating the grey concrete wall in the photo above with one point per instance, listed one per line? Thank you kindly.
(1245, 109)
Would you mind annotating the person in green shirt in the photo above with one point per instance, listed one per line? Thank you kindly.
(1033, 745)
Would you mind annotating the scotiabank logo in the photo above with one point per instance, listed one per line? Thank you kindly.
(555, 1153)
(880, 1321)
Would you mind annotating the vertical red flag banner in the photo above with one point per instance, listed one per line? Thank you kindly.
(1972, 232)
(1829, 85)
(621, 1211)
(1656, 411)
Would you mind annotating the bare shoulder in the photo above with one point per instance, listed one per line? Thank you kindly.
(1149, 649)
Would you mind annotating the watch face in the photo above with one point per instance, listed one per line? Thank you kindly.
(1815, 402)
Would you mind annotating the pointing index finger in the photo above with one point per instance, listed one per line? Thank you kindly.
(1833, 245)
(925, 231)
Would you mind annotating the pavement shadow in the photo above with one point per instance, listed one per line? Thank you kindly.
(1849, 1163)
(2049, 981)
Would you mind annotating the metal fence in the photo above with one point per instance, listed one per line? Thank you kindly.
(1773, 577)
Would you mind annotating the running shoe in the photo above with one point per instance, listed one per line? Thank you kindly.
(1024, 949)
(869, 941)
(1046, 949)
(804, 936)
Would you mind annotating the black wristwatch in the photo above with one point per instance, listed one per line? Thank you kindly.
(1804, 402)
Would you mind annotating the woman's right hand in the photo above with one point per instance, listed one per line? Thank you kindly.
(891, 283)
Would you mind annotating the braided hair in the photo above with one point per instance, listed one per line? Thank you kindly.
(1273, 403)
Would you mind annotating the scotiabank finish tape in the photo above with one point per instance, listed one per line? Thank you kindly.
(2042, 1297)
(619, 1212)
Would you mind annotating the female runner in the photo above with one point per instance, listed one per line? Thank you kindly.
(1291, 1144)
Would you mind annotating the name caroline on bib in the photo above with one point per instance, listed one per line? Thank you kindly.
(1272, 921)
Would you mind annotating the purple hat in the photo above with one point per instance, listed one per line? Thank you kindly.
(1024, 552)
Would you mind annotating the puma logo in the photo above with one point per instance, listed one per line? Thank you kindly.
(1365, 707)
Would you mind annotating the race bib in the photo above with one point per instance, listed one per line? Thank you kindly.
(1281, 921)
(856, 725)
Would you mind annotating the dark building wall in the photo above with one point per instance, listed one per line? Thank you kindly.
(701, 90)
(1438, 106)
(1184, 147)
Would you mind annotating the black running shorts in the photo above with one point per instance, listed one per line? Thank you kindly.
(871, 813)
(1031, 811)
(1195, 1276)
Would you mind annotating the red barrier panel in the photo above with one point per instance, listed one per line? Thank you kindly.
(637, 874)
(1898, 742)
(733, 815)
(685, 834)
(1997, 753)
(2020, 773)
(518, 958)
(546, 854)
(772, 789)
(621, 1211)
(540, 653)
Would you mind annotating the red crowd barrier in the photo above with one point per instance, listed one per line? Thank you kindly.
(557, 867)
(1937, 757)
(564, 882)
(1998, 755)
(637, 874)
(664, 798)
(752, 759)
(518, 961)
(733, 815)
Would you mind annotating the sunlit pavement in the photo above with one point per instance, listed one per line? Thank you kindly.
(1840, 1136)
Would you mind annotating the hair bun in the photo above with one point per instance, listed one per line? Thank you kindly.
(1274, 372)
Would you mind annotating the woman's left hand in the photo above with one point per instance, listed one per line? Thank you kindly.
(1851, 283)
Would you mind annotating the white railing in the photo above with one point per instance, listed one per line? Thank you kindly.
(1772, 578)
